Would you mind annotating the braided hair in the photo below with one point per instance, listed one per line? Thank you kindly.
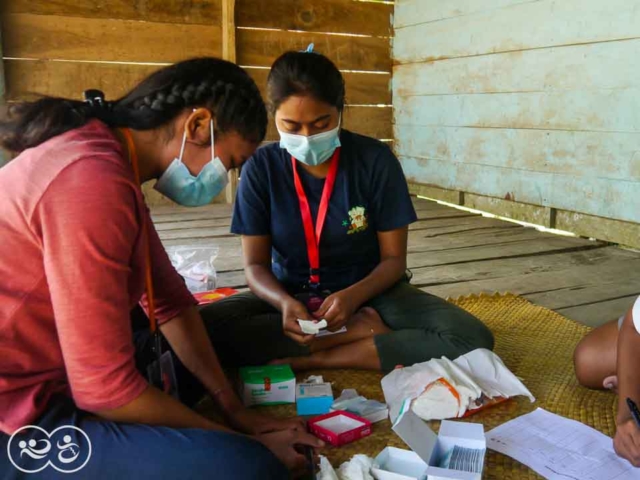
(221, 86)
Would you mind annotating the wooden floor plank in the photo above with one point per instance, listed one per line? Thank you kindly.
(190, 216)
(215, 209)
(421, 242)
(557, 263)
(599, 313)
(464, 223)
(232, 279)
(577, 286)
(437, 214)
(190, 224)
(191, 233)
(445, 256)
(586, 287)
(232, 241)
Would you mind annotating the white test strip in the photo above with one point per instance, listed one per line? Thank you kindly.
(325, 333)
(310, 327)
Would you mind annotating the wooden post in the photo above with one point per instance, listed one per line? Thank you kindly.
(229, 53)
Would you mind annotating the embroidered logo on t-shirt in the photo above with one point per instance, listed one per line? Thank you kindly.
(357, 220)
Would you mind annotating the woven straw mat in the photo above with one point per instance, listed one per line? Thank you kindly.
(535, 343)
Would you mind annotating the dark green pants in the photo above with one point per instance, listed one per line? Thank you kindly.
(248, 331)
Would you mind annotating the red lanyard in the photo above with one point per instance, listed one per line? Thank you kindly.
(313, 236)
(133, 158)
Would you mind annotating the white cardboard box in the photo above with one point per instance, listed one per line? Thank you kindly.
(428, 449)
(268, 385)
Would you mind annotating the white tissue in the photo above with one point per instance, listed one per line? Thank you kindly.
(312, 328)
(326, 470)
(314, 379)
(478, 372)
(358, 468)
(439, 404)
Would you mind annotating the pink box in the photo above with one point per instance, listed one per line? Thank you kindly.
(339, 428)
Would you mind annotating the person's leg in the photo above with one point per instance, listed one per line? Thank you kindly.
(595, 357)
(354, 348)
(246, 331)
(425, 327)
(139, 451)
(410, 326)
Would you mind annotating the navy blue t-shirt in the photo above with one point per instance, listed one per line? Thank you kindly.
(370, 195)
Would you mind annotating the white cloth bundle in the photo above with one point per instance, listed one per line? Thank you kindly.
(466, 379)
(357, 468)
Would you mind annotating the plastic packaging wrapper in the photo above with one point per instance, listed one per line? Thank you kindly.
(350, 401)
(441, 388)
(195, 264)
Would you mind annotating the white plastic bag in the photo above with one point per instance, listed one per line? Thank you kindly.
(195, 264)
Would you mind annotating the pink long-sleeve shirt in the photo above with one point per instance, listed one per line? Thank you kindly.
(71, 268)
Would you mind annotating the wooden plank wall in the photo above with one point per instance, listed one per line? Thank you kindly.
(63, 47)
(355, 35)
(524, 101)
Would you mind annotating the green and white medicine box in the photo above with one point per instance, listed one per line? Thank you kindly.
(268, 385)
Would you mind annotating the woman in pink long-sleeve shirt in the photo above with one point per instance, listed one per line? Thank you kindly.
(74, 234)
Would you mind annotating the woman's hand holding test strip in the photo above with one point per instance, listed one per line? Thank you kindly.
(313, 327)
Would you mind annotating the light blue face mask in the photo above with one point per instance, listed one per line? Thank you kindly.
(179, 185)
(313, 150)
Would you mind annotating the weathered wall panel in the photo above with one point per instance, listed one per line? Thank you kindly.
(533, 101)
(416, 12)
(520, 26)
(589, 66)
(582, 110)
(582, 194)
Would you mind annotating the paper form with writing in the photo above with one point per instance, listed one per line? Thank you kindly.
(560, 449)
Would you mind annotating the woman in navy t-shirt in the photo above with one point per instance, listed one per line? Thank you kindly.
(324, 218)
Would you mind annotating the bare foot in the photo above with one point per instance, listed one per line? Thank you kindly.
(353, 349)
(365, 323)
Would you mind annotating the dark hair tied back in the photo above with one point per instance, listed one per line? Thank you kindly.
(305, 73)
(221, 86)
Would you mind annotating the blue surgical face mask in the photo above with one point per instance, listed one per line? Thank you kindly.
(179, 185)
(313, 150)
